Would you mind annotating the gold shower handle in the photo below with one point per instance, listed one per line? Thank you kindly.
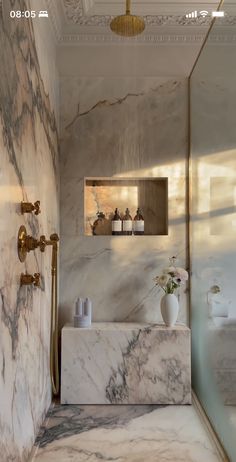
(29, 207)
(43, 242)
(28, 279)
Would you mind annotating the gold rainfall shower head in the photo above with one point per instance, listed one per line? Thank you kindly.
(127, 25)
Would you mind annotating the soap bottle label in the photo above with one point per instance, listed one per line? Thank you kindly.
(139, 226)
(127, 225)
(116, 225)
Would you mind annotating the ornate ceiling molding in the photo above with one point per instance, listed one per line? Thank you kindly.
(160, 20)
(74, 12)
(93, 39)
(72, 26)
(145, 39)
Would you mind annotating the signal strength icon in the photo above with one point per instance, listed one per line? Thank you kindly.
(203, 13)
(191, 15)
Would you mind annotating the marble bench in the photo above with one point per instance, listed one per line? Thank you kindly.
(126, 363)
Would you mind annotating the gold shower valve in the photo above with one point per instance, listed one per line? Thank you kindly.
(28, 279)
(29, 207)
(25, 243)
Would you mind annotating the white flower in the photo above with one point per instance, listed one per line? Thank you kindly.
(181, 273)
(162, 280)
(171, 278)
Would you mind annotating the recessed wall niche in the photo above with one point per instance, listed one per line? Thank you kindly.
(105, 194)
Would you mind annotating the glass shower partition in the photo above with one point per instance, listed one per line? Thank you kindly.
(213, 227)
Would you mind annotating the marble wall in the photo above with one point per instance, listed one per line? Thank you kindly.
(28, 171)
(120, 127)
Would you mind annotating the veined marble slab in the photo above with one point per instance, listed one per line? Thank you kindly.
(126, 363)
(124, 434)
(29, 171)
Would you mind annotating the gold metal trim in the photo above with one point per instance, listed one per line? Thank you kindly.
(209, 427)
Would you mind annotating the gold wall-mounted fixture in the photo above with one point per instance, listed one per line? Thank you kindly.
(27, 243)
(29, 207)
(28, 279)
(215, 289)
(127, 25)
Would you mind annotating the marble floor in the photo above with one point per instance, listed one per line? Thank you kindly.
(123, 433)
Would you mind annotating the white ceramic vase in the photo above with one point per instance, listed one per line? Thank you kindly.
(169, 309)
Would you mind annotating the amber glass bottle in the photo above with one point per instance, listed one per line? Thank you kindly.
(127, 224)
(116, 224)
(138, 224)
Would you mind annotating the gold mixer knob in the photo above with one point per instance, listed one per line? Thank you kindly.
(28, 279)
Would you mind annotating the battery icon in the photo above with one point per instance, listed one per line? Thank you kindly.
(43, 14)
(218, 14)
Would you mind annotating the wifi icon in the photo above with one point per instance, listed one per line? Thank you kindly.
(203, 13)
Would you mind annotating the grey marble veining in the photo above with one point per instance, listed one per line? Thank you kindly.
(123, 434)
(121, 128)
(126, 363)
(28, 172)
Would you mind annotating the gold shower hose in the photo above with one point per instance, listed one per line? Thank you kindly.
(54, 367)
